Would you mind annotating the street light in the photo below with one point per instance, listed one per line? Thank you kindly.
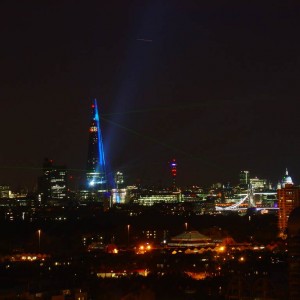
(128, 229)
(186, 226)
(39, 234)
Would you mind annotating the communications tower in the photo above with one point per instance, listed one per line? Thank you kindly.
(173, 166)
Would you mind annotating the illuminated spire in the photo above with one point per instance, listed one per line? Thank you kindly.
(96, 174)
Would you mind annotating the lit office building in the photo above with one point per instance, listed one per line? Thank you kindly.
(244, 178)
(119, 180)
(53, 182)
(151, 198)
(118, 196)
(149, 235)
(288, 198)
(258, 184)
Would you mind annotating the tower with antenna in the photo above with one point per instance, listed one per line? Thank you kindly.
(173, 166)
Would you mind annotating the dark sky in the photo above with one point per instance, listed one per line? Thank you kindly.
(214, 85)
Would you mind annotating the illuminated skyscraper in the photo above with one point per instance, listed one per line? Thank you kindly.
(119, 180)
(288, 197)
(244, 179)
(53, 183)
(118, 194)
(96, 174)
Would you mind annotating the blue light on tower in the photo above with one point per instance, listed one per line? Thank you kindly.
(96, 174)
(173, 165)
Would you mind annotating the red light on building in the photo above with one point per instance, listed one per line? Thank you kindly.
(173, 166)
(93, 129)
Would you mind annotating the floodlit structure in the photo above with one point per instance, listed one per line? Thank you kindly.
(191, 239)
(96, 174)
(173, 166)
(258, 184)
(288, 198)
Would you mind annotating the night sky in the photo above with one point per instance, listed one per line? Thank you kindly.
(214, 85)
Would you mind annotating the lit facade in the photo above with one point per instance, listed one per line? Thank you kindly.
(5, 191)
(149, 235)
(258, 184)
(163, 197)
(119, 180)
(288, 197)
(96, 174)
(244, 178)
(118, 196)
(53, 182)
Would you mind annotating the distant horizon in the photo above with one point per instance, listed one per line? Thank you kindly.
(167, 183)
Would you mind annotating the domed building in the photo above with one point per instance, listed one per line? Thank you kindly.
(286, 180)
(294, 254)
(288, 197)
(189, 239)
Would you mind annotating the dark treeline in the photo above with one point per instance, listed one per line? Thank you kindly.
(66, 234)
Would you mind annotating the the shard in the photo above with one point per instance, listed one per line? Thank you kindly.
(96, 174)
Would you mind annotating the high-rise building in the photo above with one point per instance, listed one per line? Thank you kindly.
(244, 178)
(96, 174)
(53, 182)
(119, 179)
(5, 191)
(288, 197)
(118, 194)
(258, 184)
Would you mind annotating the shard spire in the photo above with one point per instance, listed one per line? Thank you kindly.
(96, 174)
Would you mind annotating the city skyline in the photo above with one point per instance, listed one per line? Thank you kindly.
(214, 86)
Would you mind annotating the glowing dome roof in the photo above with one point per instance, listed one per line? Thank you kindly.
(287, 179)
(189, 236)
